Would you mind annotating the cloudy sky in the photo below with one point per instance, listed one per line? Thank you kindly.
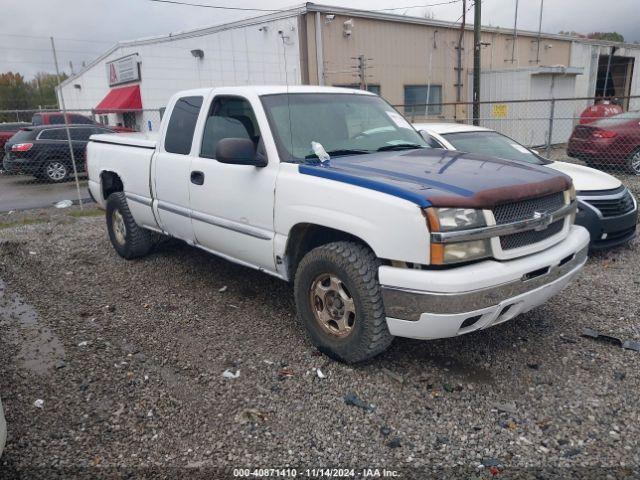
(85, 28)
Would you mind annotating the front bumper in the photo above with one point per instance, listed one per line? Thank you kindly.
(606, 232)
(427, 304)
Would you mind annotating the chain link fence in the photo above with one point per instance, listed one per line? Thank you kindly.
(600, 134)
(41, 147)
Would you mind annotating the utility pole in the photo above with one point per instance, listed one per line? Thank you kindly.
(460, 48)
(477, 20)
(66, 123)
(539, 31)
(515, 34)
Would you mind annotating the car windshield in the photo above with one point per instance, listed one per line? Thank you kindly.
(619, 119)
(342, 123)
(493, 144)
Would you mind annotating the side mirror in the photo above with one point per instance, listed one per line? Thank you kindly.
(424, 134)
(238, 151)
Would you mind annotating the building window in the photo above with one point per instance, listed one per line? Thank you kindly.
(415, 99)
(370, 88)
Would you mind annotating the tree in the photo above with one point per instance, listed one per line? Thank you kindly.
(610, 36)
(18, 94)
(14, 91)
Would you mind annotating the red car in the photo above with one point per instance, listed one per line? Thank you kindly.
(56, 118)
(7, 130)
(610, 141)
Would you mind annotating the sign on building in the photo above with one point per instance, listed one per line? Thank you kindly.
(123, 70)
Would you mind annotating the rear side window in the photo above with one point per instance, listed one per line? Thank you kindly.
(81, 134)
(53, 134)
(56, 119)
(22, 135)
(80, 119)
(182, 123)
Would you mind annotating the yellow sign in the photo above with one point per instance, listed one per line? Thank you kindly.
(499, 110)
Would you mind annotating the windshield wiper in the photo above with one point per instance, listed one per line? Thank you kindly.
(340, 152)
(400, 146)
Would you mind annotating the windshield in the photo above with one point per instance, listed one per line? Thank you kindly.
(493, 144)
(343, 124)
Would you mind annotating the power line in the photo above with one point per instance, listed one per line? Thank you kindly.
(450, 2)
(218, 7)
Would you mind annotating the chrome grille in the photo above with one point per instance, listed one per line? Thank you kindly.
(612, 207)
(513, 212)
(522, 239)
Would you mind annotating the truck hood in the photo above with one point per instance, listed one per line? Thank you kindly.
(441, 178)
(585, 178)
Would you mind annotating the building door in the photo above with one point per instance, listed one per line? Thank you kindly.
(129, 119)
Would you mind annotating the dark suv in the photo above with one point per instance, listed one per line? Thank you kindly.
(44, 151)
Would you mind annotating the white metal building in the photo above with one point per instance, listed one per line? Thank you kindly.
(407, 59)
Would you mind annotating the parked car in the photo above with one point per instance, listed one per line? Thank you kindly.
(380, 235)
(57, 118)
(8, 130)
(610, 141)
(44, 151)
(3, 429)
(606, 208)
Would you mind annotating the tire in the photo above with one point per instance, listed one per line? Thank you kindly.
(55, 171)
(128, 239)
(633, 162)
(348, 325)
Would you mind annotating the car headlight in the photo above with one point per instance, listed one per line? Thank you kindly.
(453, 219)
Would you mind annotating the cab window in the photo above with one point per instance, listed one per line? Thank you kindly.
(229, 117)
(182, 124)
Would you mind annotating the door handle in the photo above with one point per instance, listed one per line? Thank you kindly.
(197, 178)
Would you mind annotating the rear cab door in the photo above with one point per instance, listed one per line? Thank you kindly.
(171, 167)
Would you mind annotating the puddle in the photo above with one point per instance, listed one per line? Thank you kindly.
(39, 348)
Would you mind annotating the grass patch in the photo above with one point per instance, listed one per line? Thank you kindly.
(24, 221)
(94, 212)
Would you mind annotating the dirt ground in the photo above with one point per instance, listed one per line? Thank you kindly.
(113, 368)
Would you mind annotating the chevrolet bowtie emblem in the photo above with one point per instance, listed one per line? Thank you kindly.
(545, 220)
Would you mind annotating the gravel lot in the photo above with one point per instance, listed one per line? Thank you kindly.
(128, 358)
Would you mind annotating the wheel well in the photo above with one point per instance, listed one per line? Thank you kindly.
(111, 183)
(304, 237)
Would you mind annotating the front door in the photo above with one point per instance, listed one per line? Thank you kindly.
(232, 205)
(173, 169)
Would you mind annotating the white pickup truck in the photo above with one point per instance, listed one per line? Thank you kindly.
(335, 191)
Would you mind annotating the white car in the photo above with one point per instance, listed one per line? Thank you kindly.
(606, 208)
(3, 430)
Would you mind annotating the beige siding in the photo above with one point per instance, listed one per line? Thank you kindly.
(399, 54)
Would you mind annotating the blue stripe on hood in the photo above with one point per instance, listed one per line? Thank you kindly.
(321, 171)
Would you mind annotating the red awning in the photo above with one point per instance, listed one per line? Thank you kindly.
(123, 99)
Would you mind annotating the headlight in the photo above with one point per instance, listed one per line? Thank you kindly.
(451, 219)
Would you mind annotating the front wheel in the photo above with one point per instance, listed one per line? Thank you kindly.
(339, 302)
(128, 239)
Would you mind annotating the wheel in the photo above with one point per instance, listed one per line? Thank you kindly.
(633, 162)
(129, 239)
(55, 171)
(339, 302)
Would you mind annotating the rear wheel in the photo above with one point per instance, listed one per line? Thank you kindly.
(633, 162)
(339, 302)
(128, 239)
(55, 171)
